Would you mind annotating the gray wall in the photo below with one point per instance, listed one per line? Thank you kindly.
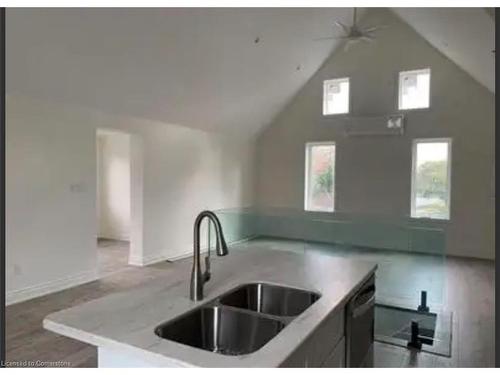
(373, 174)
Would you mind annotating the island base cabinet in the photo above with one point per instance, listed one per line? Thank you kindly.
(369, 360)
(337, 357)
(109, 358)
(325, 345)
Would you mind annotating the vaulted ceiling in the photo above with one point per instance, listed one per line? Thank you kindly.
(213, 69)
(464, 35)
(196, 67)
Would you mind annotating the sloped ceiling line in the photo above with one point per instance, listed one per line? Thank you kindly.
(464, 35)
(201, 68)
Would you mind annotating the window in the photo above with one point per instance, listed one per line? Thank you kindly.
(431, 178)
(336, 96)
(320, 177)
(414, 89)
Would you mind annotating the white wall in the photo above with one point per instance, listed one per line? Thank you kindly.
(373, 174)
(50, 198)
(51, 189)
(113, 185)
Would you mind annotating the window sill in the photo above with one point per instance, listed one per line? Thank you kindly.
(320, 211)
(346, 114)
(426, 219)
(423, 109)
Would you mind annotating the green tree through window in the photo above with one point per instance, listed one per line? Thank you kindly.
(324, 181)
(432, 177)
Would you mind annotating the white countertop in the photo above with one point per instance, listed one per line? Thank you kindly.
(125, 321)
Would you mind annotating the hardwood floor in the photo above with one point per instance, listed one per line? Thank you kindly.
(469, 293)
(27, 340)
(112, 256)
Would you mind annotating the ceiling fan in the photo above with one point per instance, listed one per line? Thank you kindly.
(354, 33)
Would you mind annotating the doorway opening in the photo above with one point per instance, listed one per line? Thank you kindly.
(113, 200)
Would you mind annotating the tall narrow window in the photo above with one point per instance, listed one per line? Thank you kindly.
(414, 89)
(320, 177)
(431, 178)
(336, 96)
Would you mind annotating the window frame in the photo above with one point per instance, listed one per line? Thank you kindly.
(308, 148)
(415, 142)
(400, 91)
(348, 79)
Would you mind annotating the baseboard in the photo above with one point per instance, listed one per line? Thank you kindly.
(205, 250)
(146, 261)
(185, 255)
(160, 257)
(49, 287)
(118, 237)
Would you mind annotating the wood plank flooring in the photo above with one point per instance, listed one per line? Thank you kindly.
(112, 256)
(469, 294)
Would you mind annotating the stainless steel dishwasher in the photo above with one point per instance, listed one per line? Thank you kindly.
(360, 326)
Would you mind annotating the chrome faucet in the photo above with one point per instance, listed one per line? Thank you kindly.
(197, 278)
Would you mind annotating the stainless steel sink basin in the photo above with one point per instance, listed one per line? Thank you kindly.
(221, 330)
(270, 299)
(240, 321)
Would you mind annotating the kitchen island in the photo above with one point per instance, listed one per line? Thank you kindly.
(122, 325)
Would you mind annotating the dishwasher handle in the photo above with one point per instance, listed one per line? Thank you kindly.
(363, 301)
(360, 310)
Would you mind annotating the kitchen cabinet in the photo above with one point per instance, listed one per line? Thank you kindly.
(321, 344)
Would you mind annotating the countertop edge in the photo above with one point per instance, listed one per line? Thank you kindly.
(100, 341)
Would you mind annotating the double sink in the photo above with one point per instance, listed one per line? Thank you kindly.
(240, 321)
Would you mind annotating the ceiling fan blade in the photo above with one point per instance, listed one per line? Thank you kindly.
(374, 28)
(344, 28)
(324, 38)
(351, 41)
